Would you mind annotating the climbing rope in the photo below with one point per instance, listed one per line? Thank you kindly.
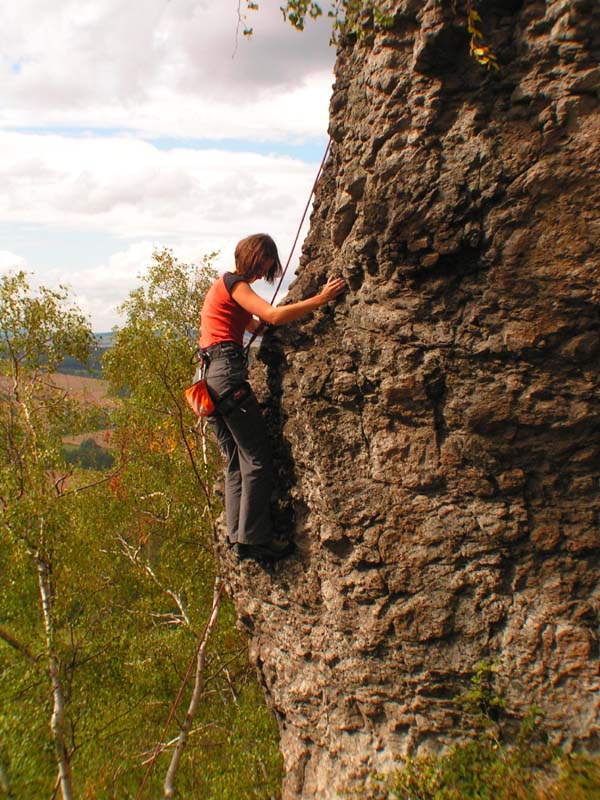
(289, 260)
(312, 191)
(186, 678)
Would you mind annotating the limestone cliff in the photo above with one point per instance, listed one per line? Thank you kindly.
(439, 427)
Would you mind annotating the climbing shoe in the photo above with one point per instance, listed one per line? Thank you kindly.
(269, 551)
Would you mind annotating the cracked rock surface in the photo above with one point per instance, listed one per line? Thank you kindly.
(438, 429)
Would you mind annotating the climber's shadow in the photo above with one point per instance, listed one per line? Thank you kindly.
(271, 354)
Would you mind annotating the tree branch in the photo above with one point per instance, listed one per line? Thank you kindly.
(167, 745)
(18, 646)
(133, 556)
(169, 784)
(87, 486)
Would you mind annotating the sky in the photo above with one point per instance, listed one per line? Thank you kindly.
(129, 127)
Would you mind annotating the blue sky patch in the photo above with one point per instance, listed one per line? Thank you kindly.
(310, 151)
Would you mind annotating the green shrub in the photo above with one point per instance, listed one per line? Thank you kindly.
(485, 768)
(481, 770)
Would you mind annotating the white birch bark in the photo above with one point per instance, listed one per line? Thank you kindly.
(169, 784)
(57, 722)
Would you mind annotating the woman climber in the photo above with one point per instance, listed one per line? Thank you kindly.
(229, 309)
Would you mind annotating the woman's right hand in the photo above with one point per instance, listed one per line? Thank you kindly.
(332, 288)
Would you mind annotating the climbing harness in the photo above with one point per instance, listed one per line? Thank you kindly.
(204, 401)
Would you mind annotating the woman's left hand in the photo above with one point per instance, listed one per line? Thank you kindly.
(332, 288)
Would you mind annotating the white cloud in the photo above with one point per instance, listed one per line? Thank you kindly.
(158, 70)
(131, 189)
(100, 290)
(162, 66)
(11, 262)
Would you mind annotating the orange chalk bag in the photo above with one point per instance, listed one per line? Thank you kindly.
(198, 395)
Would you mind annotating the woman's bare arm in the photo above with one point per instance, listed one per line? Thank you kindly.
(247, 298)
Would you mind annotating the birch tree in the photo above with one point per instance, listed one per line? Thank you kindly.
(168, 472)
(37, 331)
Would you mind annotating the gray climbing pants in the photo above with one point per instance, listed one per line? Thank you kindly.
(243, 439)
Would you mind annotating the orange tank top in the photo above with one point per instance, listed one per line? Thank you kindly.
(221, 318)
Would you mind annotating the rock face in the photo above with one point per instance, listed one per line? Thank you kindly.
(439, 427)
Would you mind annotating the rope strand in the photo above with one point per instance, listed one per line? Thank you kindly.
(312, 191)
(307, 206)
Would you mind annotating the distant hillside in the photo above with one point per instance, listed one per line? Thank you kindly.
(105, 339)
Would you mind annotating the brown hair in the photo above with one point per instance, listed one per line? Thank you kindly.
(252, 252)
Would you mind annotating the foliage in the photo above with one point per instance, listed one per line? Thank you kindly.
(480, 51)
(481, 770)
(484, 768)
(481, 703)
(355, 17)
(127, 557)
(347, 16)
(243, 763)
(38, 331)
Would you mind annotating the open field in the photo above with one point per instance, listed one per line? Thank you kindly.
(88, 390)
(92, 391)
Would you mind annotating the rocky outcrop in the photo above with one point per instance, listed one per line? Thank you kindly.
(440, 426)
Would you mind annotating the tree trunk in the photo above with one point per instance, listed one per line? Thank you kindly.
(57, 722)
(169, 784)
